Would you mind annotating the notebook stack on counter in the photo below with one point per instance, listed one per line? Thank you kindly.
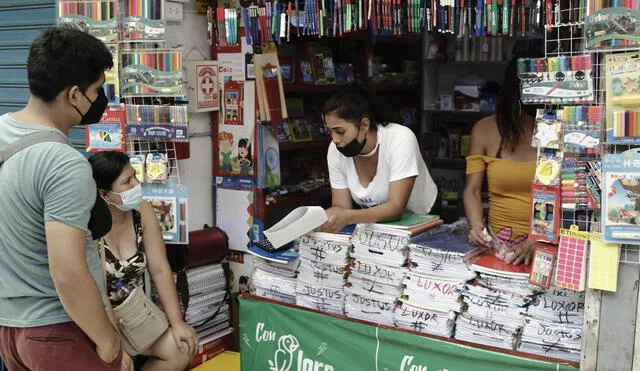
(554, 325)
(208, 311)
(380, 261)
(431, 296)
(495, 302)
(275, 280)
(324, 265)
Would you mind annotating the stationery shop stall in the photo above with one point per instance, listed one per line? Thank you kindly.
(219, 106)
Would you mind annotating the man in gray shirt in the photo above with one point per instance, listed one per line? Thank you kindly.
(52, 312)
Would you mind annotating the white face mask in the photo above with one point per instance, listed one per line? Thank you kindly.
(131, 198)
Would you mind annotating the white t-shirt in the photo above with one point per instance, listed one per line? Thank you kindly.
(398, 158)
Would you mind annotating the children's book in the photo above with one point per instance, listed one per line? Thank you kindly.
(621, 197)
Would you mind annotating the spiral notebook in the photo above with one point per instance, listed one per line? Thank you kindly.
(208, 278)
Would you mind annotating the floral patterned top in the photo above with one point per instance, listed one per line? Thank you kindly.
(129, 272)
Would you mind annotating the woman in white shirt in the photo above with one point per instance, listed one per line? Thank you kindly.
(373, 163)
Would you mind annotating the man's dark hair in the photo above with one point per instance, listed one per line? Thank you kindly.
(63, 56)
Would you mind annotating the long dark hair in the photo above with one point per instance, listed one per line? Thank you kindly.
(509, 106)
(356, 102)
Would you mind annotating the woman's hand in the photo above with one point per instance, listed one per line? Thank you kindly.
(478, 236)
(520, 254)
(337, 218)
(185, 337)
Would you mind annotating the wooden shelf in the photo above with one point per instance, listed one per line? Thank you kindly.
(312, 88)
(458, 116)
(334, 88)
(466, 63)
(293, 201)
(449, 163)
(293, 146)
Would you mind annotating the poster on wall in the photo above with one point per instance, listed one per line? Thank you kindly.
(236, 149)
(169, 202)
(203, 91)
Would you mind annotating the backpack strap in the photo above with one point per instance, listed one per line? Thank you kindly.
(29, 140)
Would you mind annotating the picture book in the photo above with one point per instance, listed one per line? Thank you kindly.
(169, 202)
(621, 197)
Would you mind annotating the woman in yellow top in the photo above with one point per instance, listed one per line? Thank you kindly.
(501, 149)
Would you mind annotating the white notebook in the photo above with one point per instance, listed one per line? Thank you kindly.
(299, 222)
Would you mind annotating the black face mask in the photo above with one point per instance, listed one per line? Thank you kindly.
(354, 147)
(95, 111)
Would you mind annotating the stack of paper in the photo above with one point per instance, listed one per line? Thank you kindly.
(208, 312)
(324, 261)
(495, 302)
(554, 325)
(274, 275)
(438, 270)
(380, 253)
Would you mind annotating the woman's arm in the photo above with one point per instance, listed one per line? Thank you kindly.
(339, 216)
(161, 274)
(472, 195)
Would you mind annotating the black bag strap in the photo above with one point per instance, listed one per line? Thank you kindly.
(29, 140)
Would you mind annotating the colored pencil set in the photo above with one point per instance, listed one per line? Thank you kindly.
(149, 9)
(167, 61)
(166, 115)
(626, 124)
(96, 10)
(614, 22)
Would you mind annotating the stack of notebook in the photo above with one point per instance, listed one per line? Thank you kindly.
(554, 325)
(208, 311)
(380, 262)
(324, 264)
(495, 302)
(431, 296)
(274, 274)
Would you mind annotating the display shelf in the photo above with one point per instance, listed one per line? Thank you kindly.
(333, 88)
(449, 163)
(464, 63)
(294, 146)
(292, 201)
(458, 116)
(312, 88)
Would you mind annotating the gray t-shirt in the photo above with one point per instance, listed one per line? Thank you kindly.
(45, 182)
